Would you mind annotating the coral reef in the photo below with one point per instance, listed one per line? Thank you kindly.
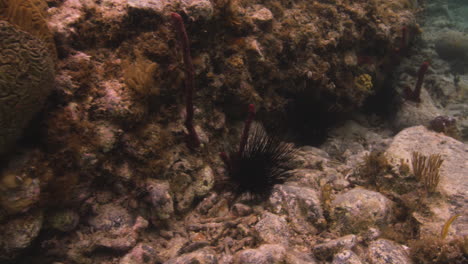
(105, 174)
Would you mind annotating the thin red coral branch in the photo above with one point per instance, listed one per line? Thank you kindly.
(178, 23)
(415, 95)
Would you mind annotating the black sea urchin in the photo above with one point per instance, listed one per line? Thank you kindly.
(261, 162)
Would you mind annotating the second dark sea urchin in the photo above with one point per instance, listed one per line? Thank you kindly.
(261, 161)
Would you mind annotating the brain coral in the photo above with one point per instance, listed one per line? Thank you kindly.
(26, 78)
(28, 15)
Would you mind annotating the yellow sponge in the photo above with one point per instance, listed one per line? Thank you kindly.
(363, 82)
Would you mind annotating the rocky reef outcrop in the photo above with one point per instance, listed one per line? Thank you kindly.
(111, 175)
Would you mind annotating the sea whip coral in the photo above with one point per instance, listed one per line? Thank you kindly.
(415, 95)
(178, 22)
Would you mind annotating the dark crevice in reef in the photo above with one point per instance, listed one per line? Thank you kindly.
(34, 253)
(384, 102)
(32, 138)
(34, 134)
(309, 117)
(311, 126)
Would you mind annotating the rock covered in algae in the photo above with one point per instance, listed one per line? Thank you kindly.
(453, 171)
(194, 8)
(110, 216)
(112, 232)
(273, 229)
(346, 257)
(64, 220)
(21, 182)
(413, 114)
(203, 256)
(26, 78)
(328, 249)
(359, 208)
(302, 205)
(142, 253)
(384, 251)
(268, 253)
(160, 199)
(187, 187)
(18, 234)
(18, 195)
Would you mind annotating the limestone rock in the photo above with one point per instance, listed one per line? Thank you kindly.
(117, 104)
(453, 173)
(352, 138)
(18, 195)
(140, 254)
(241, 209)
(174, 246)
(110, 216)
(107, 136)
(118, 236)
(307, 157)
(186, 186)
(63, 220)
(273, 229)
(346, 257)
(293, 257)
(384, 251)
(359, 208)
(18, 233)
(160, 199)
(197, 9)
(413, 114)
(204, 181)
(302, 205)
(261, 14)
(265, 254)
(328, 249)
(202, 256)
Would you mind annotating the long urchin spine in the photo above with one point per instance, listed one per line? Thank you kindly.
(260, 161)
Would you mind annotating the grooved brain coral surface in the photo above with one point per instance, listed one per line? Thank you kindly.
(29, 15)
(26, 78)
